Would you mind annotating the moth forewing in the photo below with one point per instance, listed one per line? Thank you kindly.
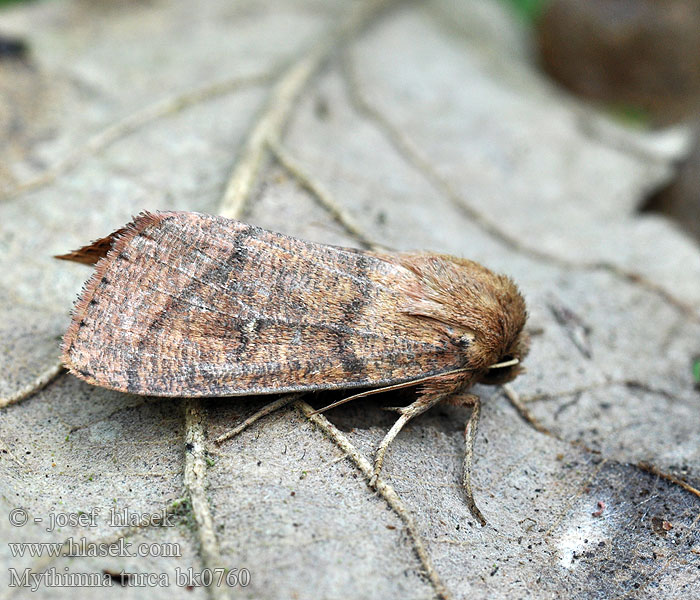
(186, 304)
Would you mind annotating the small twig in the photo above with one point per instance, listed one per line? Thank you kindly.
(132, 123)
(40, 382)
(264, 411)
(195, 477)
(341, 216)
(524, 412)
(382, 488)
(644, 466)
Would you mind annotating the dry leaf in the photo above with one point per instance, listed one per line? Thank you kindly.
(429, 129)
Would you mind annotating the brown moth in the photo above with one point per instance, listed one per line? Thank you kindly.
(188, 304)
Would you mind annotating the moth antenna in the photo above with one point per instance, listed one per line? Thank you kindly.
(388, 388)
(367, 393)
(505, 363)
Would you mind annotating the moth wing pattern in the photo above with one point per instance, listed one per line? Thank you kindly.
(188, 304)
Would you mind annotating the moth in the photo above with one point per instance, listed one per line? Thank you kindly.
(189, 304)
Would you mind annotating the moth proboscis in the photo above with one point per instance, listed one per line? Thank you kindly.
(188, 304)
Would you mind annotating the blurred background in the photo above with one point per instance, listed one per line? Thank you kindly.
(638, 60)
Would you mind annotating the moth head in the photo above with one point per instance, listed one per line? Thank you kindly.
(481, 312)
(510, 364)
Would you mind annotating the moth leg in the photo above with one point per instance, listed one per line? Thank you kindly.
(407, 413)
(264, 411)
(469, 436)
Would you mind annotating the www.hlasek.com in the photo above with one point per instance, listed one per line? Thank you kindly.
(81, 547)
